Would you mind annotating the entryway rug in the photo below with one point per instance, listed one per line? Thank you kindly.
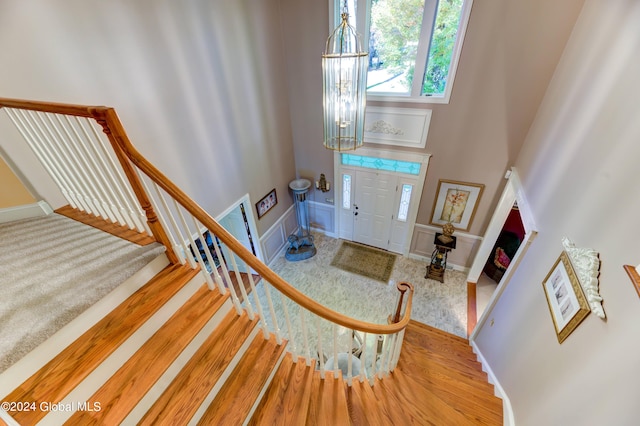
(364, 260)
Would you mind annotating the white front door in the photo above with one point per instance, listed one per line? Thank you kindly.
(375, 194)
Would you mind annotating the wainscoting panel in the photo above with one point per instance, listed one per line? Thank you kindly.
(460, 258)
(321, 217)
(275, 239)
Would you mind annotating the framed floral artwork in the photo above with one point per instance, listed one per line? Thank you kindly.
(567, 302)
(456, 203)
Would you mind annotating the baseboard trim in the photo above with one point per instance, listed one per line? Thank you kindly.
(508, 418)
(27, 211)
(472, 306)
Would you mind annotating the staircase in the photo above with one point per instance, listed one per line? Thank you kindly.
(186, 348)
(176, 352)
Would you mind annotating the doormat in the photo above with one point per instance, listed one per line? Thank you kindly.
(364, 260)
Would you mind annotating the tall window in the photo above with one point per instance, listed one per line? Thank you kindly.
(346, 192)
(413, 45)
(405, 199)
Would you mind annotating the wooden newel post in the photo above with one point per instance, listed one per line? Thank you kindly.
(402, 288)
(112, 127)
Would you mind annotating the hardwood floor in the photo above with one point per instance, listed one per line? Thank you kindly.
(438, 381)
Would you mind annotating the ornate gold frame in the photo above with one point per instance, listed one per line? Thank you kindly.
(564, 292)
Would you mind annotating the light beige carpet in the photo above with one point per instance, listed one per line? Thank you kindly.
(364, 260)
(53, 268)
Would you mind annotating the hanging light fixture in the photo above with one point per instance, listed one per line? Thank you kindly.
(344, 69)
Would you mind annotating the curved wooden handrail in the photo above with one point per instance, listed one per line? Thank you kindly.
(108, 118)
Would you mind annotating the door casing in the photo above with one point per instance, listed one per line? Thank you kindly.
(343, 216)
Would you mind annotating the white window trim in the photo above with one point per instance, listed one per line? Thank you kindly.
(457, 50)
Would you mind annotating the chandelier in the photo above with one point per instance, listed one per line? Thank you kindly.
(344, 89)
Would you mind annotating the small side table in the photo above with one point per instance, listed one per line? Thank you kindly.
(435, 270)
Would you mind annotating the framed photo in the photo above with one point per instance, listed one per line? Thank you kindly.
(266, 203)
(456, 202)
(565, 297)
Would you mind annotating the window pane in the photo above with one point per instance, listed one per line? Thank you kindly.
(405, 199)
(443, 41)
(386, 164)
(346, 192)
(393, 44)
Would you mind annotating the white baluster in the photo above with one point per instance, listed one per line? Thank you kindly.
(43, 160)
(363, 358)
(209, 258)
(72, 165)
(180, 247)
(335, 351)
(90, 168)
(225, 273)
(292, 340)
(272, 311)
(245, 296)
(350, 358)
(127, 198)
(398, 348)
(50, 159)
(320, 351)
(62, 162)
(305, 335)
(192, 240)
(383, 356)
(374, 360)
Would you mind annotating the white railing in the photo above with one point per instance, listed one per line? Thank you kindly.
(104, 175)
(80, 160)
(195, 244)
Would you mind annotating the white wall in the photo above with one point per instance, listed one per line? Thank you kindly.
(579, 166)
(199, 85)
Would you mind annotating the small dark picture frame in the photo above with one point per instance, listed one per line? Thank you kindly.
(266, 203)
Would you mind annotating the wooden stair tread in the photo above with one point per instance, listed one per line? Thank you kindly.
(328, 403)
(286, 401)
(422, 333)
(436, 344)
(455, 392)
(421, 404)
(237, 396)
(365, 408)
(187, 391)
(429, 368)
(424, 328)
(120, 394)
(466, 367)
(64, 372)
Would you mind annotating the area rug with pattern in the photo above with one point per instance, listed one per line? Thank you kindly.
(364, 260)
